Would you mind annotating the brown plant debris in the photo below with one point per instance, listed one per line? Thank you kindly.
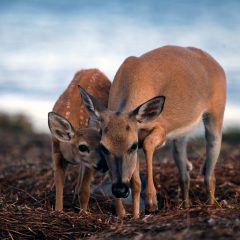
(27, 197)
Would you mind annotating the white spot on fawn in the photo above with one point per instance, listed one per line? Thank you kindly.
(67, 114)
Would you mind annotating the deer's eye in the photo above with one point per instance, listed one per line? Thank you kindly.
(83, 148)
(133, 148)
(104, 149)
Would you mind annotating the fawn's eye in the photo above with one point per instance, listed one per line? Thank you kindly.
(83, 148)
(104, 149)
(133, 148)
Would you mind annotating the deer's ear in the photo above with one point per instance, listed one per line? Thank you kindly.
(93, 106)
(60, 127)
(149, 110)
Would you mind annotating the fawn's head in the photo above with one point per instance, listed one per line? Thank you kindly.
(119, 137)
(83, 144)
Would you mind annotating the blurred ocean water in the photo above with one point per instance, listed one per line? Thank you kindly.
(43, 43)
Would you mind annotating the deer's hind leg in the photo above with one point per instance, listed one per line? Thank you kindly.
(179, 149)
(213, 135)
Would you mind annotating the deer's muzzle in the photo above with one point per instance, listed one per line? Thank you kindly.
(120, 190)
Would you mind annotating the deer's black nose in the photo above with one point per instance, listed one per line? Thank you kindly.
(120, 190)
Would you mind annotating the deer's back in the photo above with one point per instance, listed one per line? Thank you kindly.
(190, 79)
(70, 104)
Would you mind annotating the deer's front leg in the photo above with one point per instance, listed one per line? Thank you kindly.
(155, 139)
(119, 207)
(136, 189)
(59, 177)
(120, 210)
(85, 187)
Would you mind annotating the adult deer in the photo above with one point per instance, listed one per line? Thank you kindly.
(158, 96)
(75, 139)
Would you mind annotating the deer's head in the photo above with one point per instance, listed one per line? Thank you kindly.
(119, 137)
(83, 144)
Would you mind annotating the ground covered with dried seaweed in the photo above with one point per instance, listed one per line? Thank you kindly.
(27, 197)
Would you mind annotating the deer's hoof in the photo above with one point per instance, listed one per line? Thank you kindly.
(151, 204)
(186, 204)
(121, 213)
(153, 208)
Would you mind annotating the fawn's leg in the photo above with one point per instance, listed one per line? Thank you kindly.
(60, 166)
(85, 187)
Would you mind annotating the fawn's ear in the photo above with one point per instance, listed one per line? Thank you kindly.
(93, 106)
(149, 110)
(60, 127)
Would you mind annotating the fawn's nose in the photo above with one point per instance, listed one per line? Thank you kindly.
(120, 190)
(102, 166)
